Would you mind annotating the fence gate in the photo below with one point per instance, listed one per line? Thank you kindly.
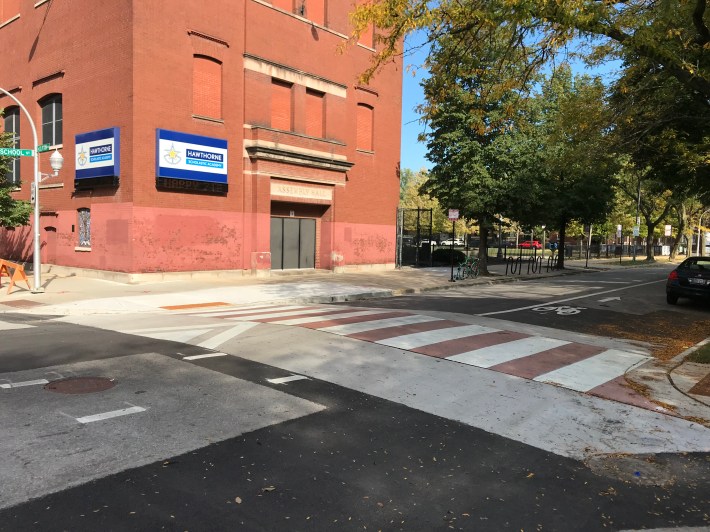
(414, 243)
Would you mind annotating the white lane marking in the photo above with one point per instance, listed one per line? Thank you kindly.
(112, 414)
(174, 334)
(206, 355)
(230, 333)
(594, 371)
(352, 328)
(284, 380)
(8, 326)
(570, 298)
(313, 319)
(25, 383)
(245, 312)
(166, 329)
(411, 341)
(596, 282)
(505, 352)
(256, 317)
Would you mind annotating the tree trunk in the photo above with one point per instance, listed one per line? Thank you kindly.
(682, 217)
(483, 246)
(561, 245)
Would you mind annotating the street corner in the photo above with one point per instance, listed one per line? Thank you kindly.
(674, 388)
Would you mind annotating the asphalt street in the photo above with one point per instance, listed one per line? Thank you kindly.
(619, 303)
(271, 426)
(352, 461)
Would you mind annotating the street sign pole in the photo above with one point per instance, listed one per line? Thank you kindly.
(36, 265)
(453, 216)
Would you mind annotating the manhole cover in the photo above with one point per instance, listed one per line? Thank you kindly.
(77, 385)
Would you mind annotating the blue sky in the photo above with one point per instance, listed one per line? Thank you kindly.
(412, 151)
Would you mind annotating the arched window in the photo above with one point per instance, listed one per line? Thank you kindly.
(206, 87)
(12, 128)
(365, 126)
(51, 119)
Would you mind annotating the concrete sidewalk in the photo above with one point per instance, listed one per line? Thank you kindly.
(70, 292)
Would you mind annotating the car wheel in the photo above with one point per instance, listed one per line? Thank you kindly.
(671, 299)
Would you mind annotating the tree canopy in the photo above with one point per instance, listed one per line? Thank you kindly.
(672, 35)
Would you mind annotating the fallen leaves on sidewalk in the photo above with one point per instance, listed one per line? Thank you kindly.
(669, 336)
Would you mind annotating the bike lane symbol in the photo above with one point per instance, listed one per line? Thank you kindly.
(562, 310)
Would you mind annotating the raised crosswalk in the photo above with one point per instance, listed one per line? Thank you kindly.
(565, 363)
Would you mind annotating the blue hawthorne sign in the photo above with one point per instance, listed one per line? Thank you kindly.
(98, 154)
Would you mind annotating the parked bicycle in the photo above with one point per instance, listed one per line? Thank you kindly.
(468, 269)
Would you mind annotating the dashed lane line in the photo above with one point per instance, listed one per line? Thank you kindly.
(37, 382)
(108, 415)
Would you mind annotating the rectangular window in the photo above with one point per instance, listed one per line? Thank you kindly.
(281, 105)
(315, 116)
(206, 87)
(286, 5)
(52, 120)
(315, 11)
(367, 37)
(12, 128)
(84, 228)
(9, 9)
(365, 123)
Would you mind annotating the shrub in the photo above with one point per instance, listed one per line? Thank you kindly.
(443, 256)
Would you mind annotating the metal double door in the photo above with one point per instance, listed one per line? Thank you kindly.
(293, 243)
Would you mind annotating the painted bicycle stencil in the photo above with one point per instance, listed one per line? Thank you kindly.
(562, 310)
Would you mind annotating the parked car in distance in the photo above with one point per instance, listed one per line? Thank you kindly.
(526, 244)
(455, 242)
(690, 279)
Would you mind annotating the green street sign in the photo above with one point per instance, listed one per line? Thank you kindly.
(43, 148)
(15, 152)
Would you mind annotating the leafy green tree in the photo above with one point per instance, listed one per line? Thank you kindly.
(672, 35)
(465, 130)
(573, 172)
(13, 213)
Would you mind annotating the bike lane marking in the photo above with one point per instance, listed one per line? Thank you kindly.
(556, 302)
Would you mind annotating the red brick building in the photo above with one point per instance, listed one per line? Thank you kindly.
(221, 135)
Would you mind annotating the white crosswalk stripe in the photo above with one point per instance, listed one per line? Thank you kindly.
(314, 319)
(278, 314)
(505, 352)
(414, 340)
(246, 312)
(353, 328)
(595, 371)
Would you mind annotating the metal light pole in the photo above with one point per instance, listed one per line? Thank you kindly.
(56, 160)
(543, 243)
(700, 225)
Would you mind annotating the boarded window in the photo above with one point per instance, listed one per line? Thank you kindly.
(315, 116)
(281, 105)
(286, 5)
(207, 87)
(365, 123)
(12, 128)
(315, 11)
(367, 37)
(52, 119)
(9, 9)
